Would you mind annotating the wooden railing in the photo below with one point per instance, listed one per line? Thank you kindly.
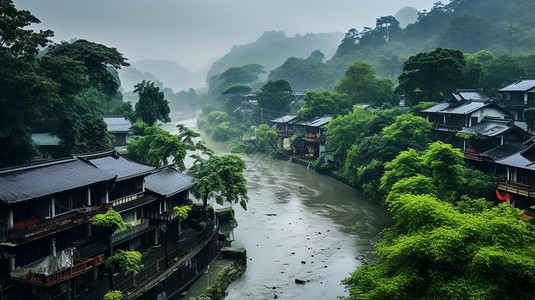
(472, 155)
(123, 234)
(63, 275)
(516, 188)
(49, 226)
(313, 138)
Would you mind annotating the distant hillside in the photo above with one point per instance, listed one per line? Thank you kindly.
(169, 73)
(498, 26)
(274, 47)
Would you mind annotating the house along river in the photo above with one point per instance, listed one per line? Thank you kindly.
(298, 225)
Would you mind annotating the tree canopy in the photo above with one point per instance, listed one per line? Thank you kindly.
(362, 86)
(221, 178)
(152, 105)
(96, 58)
(431, 76)
(155, 146)
(318, 104)
(275, 97)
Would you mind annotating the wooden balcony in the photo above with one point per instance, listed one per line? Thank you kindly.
(285, 133)
(473, 155)
(81, 267)
(516, 188)
(313, 138)
(127, 233)
(50, 226)
(447, 127)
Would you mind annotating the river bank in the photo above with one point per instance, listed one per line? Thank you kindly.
(299, 225)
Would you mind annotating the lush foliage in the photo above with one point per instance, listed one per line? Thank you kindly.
(113, 295)
(110, 220)
(156, 145)
(346, 130)
(362, 86)
(318, 104)
(182, 211)
(125, 261)
(220, 177)
(275, 98)
(309, 73)
(96, 58)
(431, 76)
(435, 249)
(217, 125)
(152, 105)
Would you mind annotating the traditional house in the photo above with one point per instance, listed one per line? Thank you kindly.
(45, 210)
(285, 125)
(463, 109)
(489, 133)
(48, 145)
(119, 126)
(315, 135)
(516, 177)
(47, 240)
(518, 96)
(127, 197)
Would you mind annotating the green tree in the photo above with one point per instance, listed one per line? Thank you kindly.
(90, 135)
(113, 295)
(110, 222)
(407, 164)
(433, 249)
(156, 145)
(362, 86)
(266, 139)
(446, 166)
(152, 105)
(275, 98)
(96, 58)
(318, 104)
(346, 130)
(409, 131)
(221, 178)
(125, 261)
(431, 76)
(234, 96)
(14, 38)
(500, 72)
(309, 73)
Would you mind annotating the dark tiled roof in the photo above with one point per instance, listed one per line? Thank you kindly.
(168, 181)
(436, 108)
(523, 160)
(316, 122)
(118, 123)
(522, 85)
(490, 127)
(113, 163)
(469, 94)
(505, 150)
(284, 119)
(43, 179)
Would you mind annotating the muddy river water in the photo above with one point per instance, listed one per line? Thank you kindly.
(299, 225)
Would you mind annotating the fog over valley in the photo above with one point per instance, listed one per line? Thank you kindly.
(191, 35)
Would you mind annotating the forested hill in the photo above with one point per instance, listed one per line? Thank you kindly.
(499, 26)
(274, 47)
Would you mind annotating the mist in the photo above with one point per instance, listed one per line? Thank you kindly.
(195, 33)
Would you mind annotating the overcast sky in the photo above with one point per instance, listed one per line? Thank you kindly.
(194, 32)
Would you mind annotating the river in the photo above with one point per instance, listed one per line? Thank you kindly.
(299, 225)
